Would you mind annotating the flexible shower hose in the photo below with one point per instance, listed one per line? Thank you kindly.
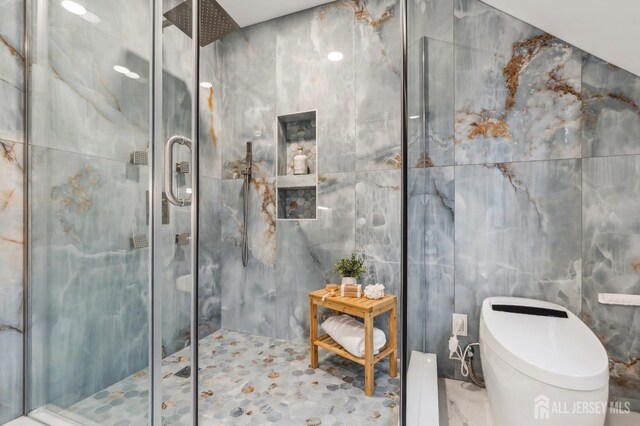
(245, 241)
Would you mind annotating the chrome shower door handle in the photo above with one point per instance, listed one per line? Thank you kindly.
(169, 170)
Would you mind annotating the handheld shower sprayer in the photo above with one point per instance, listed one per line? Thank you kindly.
(246, 173)
(248, 160)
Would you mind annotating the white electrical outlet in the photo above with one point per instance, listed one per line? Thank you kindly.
(459, 327)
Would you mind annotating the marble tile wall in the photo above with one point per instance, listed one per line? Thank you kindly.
(522, 178)
(285, 70)
(11, 209)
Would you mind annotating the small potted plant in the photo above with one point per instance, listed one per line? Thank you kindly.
(351, 269)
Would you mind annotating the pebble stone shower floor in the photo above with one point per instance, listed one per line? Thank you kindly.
(251, 380)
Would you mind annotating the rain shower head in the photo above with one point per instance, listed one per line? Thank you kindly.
(215, 22)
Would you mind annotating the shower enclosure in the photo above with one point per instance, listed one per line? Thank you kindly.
(154, 242)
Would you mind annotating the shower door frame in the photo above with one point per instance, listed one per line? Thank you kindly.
(404, 213)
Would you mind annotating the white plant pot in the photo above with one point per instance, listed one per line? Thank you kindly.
(349, 280)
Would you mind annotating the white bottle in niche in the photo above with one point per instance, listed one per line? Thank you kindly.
(300, 162)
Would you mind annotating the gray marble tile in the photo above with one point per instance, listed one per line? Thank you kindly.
(378, 145)
(387, 274)
(73, 77)
(89, 287)
(11, 212)
(11, 71)
(249, 98)
(248, 293)
(378, 60)
(11, 374)
(307, 80)
(417, 86)
(211, 111)
(611, 240)
(210, 253)
(377, 219)
(431, 104)
(517, 90)
(610, 117)
(11, 277)
(307, 252)
(482, 27)
(430, 283)
(378, 230)
(517, 233)
(430, 18)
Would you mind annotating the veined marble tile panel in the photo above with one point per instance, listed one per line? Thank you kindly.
(248, 293)
(431, 262)
(89, 287)
(377, 215)
(378, 145)
(479, 26)
(517, 90)
(611, 243)
(416, 101)
(611, 116)
(209, 260)
(11, 70)
(79, 103)
(249, 98)
(388, 274)
(378, 230)
(517, 233)
(378, 61)
(211, 111)
(308, 250)
(430, 18)
(11, 279)
(307, 80)
(431, 104)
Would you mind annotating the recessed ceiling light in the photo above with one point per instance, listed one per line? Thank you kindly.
(73, 7)
(335, 56)
(92, 18)
(132, 75)
(121, 69)
(206, 85)
(413, 117)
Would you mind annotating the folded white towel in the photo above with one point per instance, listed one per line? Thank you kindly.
(349, 333)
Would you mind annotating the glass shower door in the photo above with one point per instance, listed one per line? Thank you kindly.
(175, 191)
(110, 304)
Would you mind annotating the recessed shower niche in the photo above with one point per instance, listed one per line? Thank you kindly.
(297, 165)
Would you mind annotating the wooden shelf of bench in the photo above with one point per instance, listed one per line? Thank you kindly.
(326, 342)
(363, 308)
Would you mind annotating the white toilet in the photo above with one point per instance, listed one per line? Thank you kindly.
(542, 365)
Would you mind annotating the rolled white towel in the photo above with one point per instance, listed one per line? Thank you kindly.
(349, 333)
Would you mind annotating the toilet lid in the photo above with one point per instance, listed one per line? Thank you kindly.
(544, 341)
